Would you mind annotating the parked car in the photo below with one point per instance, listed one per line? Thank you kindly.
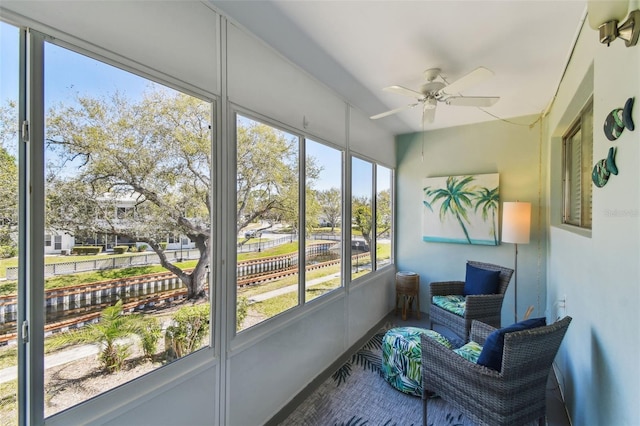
(252, 233)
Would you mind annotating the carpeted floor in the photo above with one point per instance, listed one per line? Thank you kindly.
(357, 395)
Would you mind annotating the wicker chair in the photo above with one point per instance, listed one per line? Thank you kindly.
(513, 396)
(486, 307)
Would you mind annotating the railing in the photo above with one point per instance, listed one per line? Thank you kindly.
(112, 262)
(262, 245)
(108, 262)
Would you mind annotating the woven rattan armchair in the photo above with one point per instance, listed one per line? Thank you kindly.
(486, 307)
(513, 396)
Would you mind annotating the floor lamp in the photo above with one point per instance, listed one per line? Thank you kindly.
(516, 225)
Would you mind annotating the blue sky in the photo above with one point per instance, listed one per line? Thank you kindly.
(8, 62)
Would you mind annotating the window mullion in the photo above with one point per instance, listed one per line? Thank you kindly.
(31, 232)
(302, 221)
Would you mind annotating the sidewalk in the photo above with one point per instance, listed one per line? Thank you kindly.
(50, 361)
(79, 352)
(290, 289)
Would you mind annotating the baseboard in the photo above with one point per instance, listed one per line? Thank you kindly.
(281, 415)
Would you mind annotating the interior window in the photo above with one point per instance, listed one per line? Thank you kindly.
(577, 170)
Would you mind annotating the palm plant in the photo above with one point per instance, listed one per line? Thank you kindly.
(113, 328)
(456, 199)
(488, 200)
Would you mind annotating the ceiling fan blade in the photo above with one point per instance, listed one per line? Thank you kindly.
(428, 115)
(476, 76)
(404, 91)
(393, 111)
(476, 101)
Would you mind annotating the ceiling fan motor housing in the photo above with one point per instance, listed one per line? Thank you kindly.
(430, 92)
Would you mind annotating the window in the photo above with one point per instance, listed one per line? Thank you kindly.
(57, 242)
(384, 216)
(47, 240)
(268, 221)
(371, 217)
(362, 257)
(137, 152)
(277, 231)
(125, 212)
(323, 252)
(577, 168)
(9, 218)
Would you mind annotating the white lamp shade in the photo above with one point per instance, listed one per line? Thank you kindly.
(600, 11)
(516, 222)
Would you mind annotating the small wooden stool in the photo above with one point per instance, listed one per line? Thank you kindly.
(407, 290)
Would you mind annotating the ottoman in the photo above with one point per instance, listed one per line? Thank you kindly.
(401, 357)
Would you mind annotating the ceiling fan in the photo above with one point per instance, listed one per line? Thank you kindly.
(434, 91)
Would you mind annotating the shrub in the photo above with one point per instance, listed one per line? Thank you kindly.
(133, 249)
(142, 247)
(86, 250)
(241, 311)
(8, 251)
(163, 245)
(189, 327)
(150, 332)
(120, 249)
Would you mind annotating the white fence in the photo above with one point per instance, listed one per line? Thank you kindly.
(108, 262)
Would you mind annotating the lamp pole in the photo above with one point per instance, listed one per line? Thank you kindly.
(516, 226)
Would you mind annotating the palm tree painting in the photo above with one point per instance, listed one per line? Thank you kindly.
(461, 209)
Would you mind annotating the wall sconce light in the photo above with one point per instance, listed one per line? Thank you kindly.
(516, 226)
(605, 15)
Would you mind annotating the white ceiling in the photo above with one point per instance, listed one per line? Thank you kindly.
(359, 47)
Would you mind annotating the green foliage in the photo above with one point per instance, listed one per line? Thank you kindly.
(155, 148)
(9, 287)
(86, 250)
(142, 247)
(133, 249)
(330, 201)
(113, 357)
(189, 327)
(113, 328)
(275, 251)
(120, 249)
(8, 188)
(8, 251)
(150, 333)
(163, 245)
(241, 311)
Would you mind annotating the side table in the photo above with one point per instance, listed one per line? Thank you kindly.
(407, 290)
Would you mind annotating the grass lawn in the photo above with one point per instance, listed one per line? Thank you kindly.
(9, 287)
(50, 260)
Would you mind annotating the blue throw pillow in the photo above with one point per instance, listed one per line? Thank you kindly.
(480, 281)
(491, 355)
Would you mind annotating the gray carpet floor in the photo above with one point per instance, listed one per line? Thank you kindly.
(357, 395)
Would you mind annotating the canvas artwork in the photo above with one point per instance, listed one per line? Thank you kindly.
(461, 209)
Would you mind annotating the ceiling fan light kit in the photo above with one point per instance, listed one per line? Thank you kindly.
(434, 91)
(605, 15)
